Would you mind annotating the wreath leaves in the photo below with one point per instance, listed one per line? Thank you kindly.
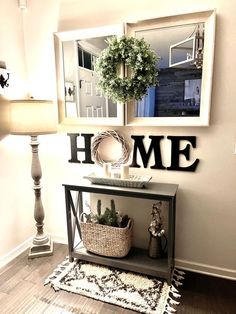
(140, 60)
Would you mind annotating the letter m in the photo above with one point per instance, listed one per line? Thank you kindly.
(145, 155)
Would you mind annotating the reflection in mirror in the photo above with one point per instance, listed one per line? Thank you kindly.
(82, 96)
(80, 102)
(178, 94)
(185, 45)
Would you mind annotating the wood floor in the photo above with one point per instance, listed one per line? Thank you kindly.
(22, 291)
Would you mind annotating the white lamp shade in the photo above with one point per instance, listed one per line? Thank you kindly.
(33, 117)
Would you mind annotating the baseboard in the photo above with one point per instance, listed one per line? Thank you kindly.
(206, 269)
(24, 246)
(15, 252)
(58, 238)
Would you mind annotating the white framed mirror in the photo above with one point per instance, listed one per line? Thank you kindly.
(185, 45)
(80, 102)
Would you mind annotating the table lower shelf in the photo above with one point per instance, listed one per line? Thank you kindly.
(137, 261)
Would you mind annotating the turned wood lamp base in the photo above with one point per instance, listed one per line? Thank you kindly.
(38, 250)
(42, 244)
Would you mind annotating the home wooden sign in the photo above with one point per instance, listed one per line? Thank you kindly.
(177, 151)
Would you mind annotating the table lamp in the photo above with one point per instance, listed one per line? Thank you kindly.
(35, 117)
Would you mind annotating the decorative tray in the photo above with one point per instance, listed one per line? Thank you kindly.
(134, 181)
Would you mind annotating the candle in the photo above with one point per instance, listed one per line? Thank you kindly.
(107, 170)
(124, 173)
(113, 174)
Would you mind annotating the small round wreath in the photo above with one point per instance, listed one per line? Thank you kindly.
(112, 134)
(138, 57)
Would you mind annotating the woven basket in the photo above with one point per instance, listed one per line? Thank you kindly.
(106, 240)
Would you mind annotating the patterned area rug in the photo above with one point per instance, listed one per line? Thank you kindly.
(141, 293)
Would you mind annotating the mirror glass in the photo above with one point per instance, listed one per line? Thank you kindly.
(180, 50)
(185, 47)
(80, 100)
(82, 96)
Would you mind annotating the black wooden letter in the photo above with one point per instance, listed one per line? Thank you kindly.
(155, 146)
(176, 151)
(86, 149)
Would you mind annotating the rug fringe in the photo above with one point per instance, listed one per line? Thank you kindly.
(180, 272)
(176, 295)
(173, 302)
(177, 276)
(173, 289)
(59, 273)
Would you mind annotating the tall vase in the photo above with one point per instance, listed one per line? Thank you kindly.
(154, 247)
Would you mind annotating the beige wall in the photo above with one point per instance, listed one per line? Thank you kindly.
(205, 233)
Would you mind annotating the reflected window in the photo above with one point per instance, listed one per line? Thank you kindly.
(80, 56)
(86, 59)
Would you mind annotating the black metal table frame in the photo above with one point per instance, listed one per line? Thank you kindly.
(154, 191)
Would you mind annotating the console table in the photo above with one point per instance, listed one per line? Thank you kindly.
(137, 260)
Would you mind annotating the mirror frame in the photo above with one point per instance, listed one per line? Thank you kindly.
(207, 17)
(59, 38)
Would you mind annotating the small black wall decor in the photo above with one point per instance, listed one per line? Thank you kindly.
(138, 147)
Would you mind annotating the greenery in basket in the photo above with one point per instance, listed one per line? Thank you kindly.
(110, 217)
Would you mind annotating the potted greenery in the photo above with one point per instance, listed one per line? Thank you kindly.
(107, 233)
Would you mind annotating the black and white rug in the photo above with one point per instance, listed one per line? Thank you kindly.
(141, 293)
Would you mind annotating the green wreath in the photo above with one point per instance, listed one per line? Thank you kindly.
(140, 59)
